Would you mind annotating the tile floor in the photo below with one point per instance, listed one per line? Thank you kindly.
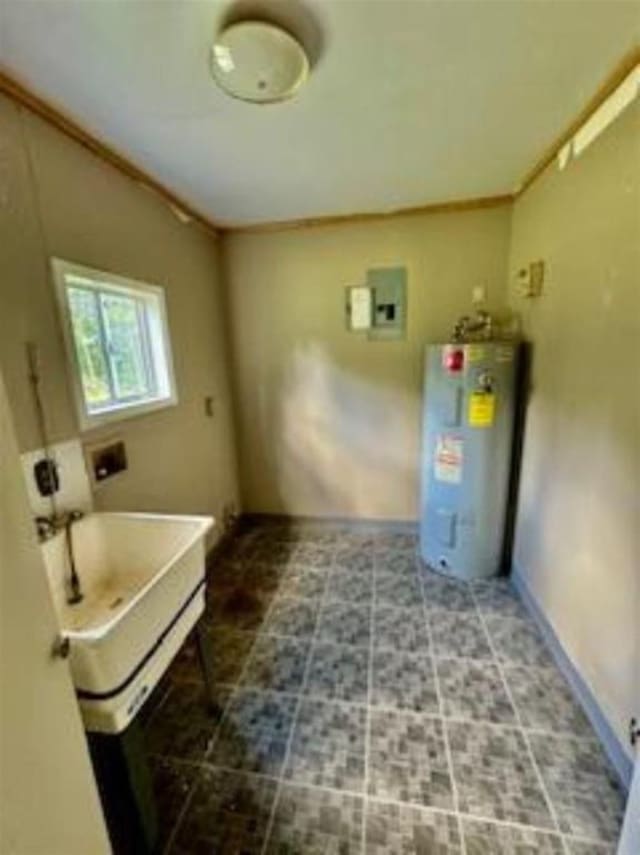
(366, 704)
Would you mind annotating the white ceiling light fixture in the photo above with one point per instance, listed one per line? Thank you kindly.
(258, 62)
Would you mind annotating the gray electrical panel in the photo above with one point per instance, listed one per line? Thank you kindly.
(470, 397)
(389, 301)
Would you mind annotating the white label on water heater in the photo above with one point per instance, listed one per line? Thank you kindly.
(447, 463)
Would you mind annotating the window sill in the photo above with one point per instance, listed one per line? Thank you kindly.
(124, 412)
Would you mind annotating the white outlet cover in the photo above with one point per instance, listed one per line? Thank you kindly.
(479, 294)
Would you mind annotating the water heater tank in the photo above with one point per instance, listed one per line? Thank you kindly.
(469, 408)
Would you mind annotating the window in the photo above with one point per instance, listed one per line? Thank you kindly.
(117, 343)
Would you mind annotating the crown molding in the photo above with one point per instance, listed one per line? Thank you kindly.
(364, 217)
(23, 96)
(606, 88)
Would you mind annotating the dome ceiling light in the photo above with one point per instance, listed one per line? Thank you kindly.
(258, 62)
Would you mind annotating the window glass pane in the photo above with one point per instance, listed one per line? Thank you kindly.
(88, 343)
(126, 345)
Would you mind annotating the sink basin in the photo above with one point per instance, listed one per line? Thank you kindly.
(142, 578)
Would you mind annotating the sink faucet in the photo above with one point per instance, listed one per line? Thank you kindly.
(47, 527)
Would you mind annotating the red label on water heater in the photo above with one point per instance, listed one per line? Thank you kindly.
(453, 359)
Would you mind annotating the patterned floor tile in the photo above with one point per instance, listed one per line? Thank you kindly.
(328, 746)
(277, 663)
(292, 616)
(316, 822)
(274, 531)
(498, 597)
(321, 535)
(184, 726)
(171, 784)
(271, 551)
(348, 585)
(305, 582)
(400, 629)
(443, 593)
(225, 573)
(235, 549)
(254, 732)
(583, 789)
(215, 599)
(241, 608)
(396, 541)
(396, 564)
(261, 577)
(339, 672)
(407, 759)
(311, 533)
(586, 847)
(473, 690)
(494, 775)
(186, 668)
(228, 815)
(393, 829)
(404, 681)
(345, 623)
(545, 702)
(355, 558)
(278, 572)
(458, 634)
(399, 591)
(229, 652)
(356, 538)
(313, 555)
(518, 642)
(487, 838)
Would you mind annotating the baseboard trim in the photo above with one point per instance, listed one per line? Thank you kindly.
(357, 523)
(613, 748)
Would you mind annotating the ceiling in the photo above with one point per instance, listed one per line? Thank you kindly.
(410, 102)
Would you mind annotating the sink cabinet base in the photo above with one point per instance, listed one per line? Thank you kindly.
(126, 791)
(205, 657)
(123, 775)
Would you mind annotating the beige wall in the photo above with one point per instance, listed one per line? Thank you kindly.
(56, 199)
(577, 540)
(329, 422)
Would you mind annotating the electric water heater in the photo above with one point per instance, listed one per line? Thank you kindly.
(469, 408)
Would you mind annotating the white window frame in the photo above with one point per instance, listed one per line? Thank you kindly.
(159, 341)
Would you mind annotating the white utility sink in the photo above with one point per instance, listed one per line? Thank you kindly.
(142, 579)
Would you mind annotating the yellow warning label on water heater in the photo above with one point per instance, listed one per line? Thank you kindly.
(474, 352)
(482, 409)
